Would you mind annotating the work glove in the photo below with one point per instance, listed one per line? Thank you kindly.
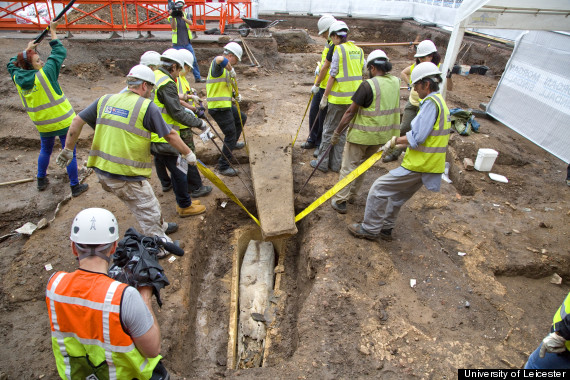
(191, 158)
(201, 112)
(553, 343)
(195, 98)
(390, 144)
(324, 103)
(315, 89)
(335, 138)
(317, 70)
(232, 73)
(204, 125)
(64, 158)
(238, 98)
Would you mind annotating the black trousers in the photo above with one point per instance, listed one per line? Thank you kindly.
(229, 122)
(316, 133)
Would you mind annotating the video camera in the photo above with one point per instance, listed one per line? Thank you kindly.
(176, 8)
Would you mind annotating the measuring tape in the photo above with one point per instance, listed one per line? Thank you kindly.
(339, 185)
(222, 186)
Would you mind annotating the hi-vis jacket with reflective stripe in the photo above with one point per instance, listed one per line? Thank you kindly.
(161, 80)
(49, 111)
(121, 144)
(183, 86)
(429, 156)
(377, 124)
(324, 54)
(561, 316)
(351, 60)
(86, 332)
(218, 89)
(174, 31)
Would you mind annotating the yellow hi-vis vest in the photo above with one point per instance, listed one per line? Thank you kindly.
(121, 144)
(324, 54)
(351, 60)
(174, 31)
(49, 111)
(219, 89)
(88, 340)
(560, 315)
(183, 86)
(161, 80)
(429, 156)
(377, 124)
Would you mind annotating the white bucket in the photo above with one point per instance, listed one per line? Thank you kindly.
(464, 70)
(485, 159)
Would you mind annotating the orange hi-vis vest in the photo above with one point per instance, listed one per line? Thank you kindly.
(87, 336)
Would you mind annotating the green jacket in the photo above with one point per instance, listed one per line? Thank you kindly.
(26, 78)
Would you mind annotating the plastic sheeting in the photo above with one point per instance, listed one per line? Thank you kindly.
(533, 96)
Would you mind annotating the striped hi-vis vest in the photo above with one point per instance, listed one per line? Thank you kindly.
(351, 60)
(121, 144)
(324, 54)
(429, 156)
(183, 87)
(161, 80)
(377, 124)
(87, 336)
(560, 315)
(49, 111)
(219, 89)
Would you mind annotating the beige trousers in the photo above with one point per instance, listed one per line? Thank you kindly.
(142, 202)
(352, 157)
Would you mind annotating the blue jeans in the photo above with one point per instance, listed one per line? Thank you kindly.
(178, 178)
(195, 69)
(45, 155)
(229, 122)
(316, 133)
(549, 361)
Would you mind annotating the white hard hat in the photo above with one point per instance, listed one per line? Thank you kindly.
(235, 49)
(179, 1)
(95, 226)
(338, 26)
(424, 70)
(376, 54)
(324, 23)
(150, 58)
(173, 55)
(188, 57)
(143, 73)
(424, 48)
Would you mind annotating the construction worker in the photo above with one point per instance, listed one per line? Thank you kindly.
(318, 89)
(149, 58)
(220, 93)
(182, 36)
(423, 163)
(101, 328)
(192, 104)
(46, 104)
(120, 153)
(165, 156)
(554, 351)
(372, 119)
(345, 77)
(425, 52)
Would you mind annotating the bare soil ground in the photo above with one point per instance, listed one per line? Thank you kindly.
(346, 308)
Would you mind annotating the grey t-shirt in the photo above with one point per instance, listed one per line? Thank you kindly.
(152, 122)
(135, 315)
(181, 32)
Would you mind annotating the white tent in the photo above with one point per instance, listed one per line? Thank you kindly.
(533, 96)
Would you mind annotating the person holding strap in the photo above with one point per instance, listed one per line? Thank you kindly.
(46, 104)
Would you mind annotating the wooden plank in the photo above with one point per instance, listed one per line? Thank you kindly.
(270, 160)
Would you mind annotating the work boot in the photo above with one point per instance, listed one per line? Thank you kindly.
(359, 232)
(316, 152)
(240, 145)
(196, 202)
(391, 155)
(202, 191)
(166, 189)
(339, 207)
(79, 189)
(308, 145)
(352, 199)
(42, 183)
(386, 234)
(200, 80)
(193, 209)
(172, 228)
(229, 172)
(314, 165)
